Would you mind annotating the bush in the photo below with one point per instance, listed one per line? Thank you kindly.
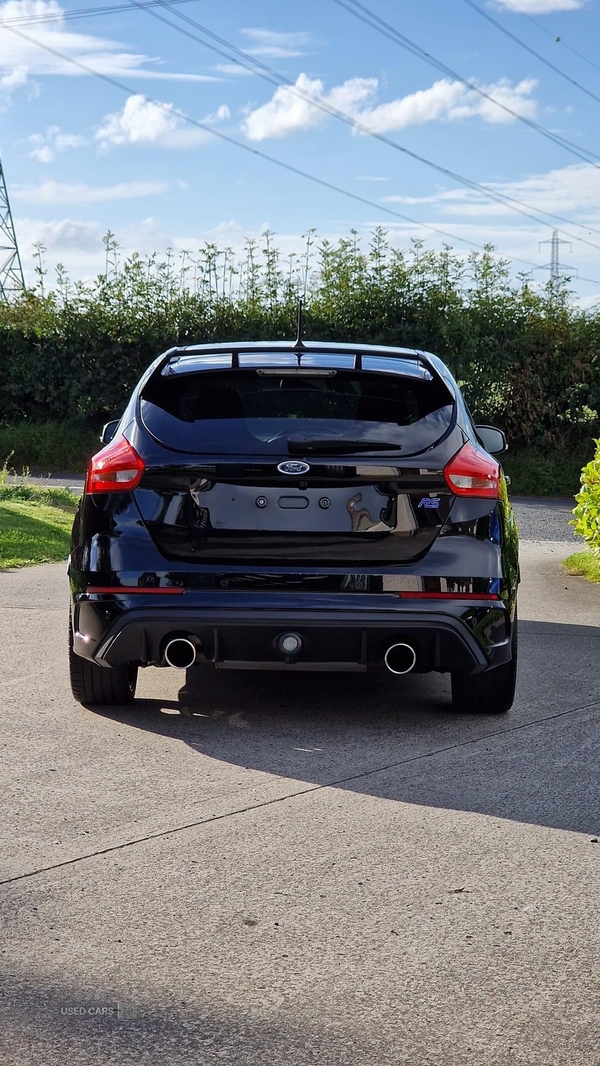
(534, 474)
(587, 510)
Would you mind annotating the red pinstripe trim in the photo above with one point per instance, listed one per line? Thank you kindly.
(124, 590)
(448, 595)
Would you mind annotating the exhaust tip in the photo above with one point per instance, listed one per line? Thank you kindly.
(400, 658)
(181, 652)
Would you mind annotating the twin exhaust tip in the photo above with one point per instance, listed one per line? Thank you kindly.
(182, 652)
(400, 658)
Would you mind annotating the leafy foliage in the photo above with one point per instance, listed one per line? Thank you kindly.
(587, 510)
(47, 447)
(556, 473)
(527, 359)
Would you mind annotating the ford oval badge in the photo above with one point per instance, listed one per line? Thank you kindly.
(293, 467)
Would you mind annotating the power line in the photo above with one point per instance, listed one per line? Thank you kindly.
(290, 168)
(76, 13)
(369, 17)
(532, 51)
(270, 74)
(246, 147)
(243, 59)
(560, 40)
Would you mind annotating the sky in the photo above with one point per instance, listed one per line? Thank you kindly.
(177, 144)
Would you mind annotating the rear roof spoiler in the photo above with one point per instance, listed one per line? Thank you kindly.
(427, 361)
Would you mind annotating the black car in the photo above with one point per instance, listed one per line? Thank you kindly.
(296, 506)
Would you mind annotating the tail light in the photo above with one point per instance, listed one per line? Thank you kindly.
(471, 472)
(116, 468)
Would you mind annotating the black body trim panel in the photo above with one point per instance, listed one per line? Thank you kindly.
(462, 636)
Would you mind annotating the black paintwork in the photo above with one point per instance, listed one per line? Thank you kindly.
(324, 554)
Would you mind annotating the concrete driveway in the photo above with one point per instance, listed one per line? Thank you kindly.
(313, 871)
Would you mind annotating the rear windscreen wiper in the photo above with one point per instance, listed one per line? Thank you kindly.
(337, 445)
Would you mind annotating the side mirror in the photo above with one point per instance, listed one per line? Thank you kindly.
(493, 440)
(108, 431)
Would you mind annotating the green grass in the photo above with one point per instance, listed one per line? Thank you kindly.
(35, 525)
(583, 564)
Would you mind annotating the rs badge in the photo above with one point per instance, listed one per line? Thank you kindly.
(429, 502)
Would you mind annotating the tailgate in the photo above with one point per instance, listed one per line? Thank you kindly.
(361, 513)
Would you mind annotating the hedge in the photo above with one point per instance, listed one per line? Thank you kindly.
(527, 358)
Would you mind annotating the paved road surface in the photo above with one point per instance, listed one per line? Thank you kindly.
(311, 872)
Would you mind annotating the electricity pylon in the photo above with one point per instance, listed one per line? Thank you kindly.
(556, 271)
(12, 281)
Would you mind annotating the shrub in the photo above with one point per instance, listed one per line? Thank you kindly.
(587, 510)
(536, 474)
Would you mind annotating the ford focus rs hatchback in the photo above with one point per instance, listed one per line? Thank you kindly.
(296, 507)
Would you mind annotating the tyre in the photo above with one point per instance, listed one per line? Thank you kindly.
(100, 686)
(492, 692)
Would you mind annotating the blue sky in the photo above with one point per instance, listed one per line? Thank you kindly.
(82, 156)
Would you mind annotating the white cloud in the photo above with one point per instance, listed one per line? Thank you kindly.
(540, 7)
(21, 59)
(146, 122)
(516, 97)
(57, 192)
(139, 121)
(13, 79)
(235, 70)
(271, 44)
(574, 189)
(412, 199)
(45, 146)
(9, 82)
(289, 110)
(425, 105)
(77, 244)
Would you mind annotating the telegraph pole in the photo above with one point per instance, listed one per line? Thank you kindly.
(12, 281)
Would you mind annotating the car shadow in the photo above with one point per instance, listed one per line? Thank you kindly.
(53, 1018)
(398, 738)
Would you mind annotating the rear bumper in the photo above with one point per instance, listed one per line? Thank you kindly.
(336, 634)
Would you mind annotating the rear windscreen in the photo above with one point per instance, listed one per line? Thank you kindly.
(255, 411)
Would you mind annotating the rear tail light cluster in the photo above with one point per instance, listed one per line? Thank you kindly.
(116, 468)
(472, 472)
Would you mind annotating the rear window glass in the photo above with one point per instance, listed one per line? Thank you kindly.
(254, 411)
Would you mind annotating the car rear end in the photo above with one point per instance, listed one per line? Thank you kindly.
(300, 509)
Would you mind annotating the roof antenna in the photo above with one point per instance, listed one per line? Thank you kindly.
(298, 343)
